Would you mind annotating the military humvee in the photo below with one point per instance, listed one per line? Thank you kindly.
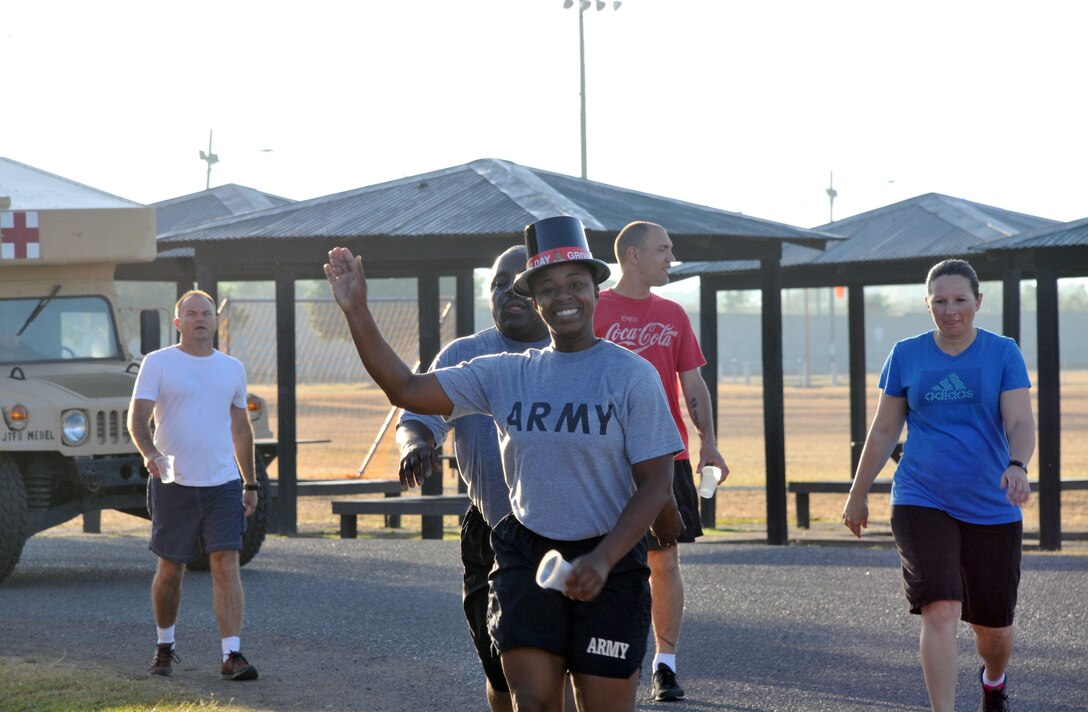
(67, 372)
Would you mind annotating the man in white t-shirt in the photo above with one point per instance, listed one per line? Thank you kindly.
(197, 397)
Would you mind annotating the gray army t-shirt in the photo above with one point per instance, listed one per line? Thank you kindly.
(474, 436)
(570, 426)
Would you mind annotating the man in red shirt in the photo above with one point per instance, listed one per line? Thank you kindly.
(659, 330)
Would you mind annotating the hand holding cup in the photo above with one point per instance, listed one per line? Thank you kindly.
(165, 463)
(553, 571)
(711, 476)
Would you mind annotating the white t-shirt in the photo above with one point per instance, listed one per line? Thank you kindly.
(193, 396)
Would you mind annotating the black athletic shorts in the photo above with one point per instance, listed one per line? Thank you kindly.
(687, 501)
(478, 558)
(604, 637)
(945, 559)
(189, 522)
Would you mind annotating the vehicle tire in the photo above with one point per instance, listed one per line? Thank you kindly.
(256, 524)
(13, 514)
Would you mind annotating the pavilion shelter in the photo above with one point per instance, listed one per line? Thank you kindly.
(895, 244)
(1047, 253)
(449, 222)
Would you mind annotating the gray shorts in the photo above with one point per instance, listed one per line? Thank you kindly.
(190, 522)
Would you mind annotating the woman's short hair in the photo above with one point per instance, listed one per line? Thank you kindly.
(962, 268)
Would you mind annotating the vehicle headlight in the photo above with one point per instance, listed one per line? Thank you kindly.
(255, 406)
(16, 417)
(73, 427)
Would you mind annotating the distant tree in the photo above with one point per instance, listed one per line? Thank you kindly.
(1072, 297)
(322, 314)
(735, 301)
(877, 303)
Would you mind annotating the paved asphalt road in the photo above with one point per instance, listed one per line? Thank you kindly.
(376, 625)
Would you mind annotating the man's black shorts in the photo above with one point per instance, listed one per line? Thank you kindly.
(945, 559)
(478, 558)
(605, 637)
(687, 501)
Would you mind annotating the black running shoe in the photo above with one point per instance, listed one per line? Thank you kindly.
(236, 667)
(666, 687)
(993, 699)
(164, 656)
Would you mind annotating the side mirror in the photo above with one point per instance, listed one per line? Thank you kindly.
(150, 331)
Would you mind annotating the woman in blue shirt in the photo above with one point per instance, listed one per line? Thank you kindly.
(963, 393)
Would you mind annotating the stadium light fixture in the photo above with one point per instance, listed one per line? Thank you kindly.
(584, 5)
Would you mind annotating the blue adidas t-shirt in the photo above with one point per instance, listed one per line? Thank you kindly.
(956, 449)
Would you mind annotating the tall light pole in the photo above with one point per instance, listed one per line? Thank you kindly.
(583, 5)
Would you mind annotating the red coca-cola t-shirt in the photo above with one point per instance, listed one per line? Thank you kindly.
(659, 330)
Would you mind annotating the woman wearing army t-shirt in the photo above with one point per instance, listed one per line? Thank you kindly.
(587, 443)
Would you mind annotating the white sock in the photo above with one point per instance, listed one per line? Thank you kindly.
(166, 635)
(231, 645)
(990, 683)
(668, 658)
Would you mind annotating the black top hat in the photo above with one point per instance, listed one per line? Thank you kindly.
(554, 240)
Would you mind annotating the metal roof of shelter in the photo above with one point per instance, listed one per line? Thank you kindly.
(928, 227)
(1069, 234)
(404, 222)
(31, 188)
(212, 204)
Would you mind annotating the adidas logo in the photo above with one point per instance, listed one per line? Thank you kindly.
(950, 388)
(609, 648)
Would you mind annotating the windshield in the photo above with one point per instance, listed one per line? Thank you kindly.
(65, 328)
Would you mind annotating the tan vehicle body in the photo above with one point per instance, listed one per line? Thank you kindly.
(67, 371)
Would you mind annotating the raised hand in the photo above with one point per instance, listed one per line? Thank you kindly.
(346, 278)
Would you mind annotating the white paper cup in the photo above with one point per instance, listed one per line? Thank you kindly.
(711, 476)
(166, 468)
(553, 571)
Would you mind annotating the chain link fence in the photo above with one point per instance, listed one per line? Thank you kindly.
(336, 399)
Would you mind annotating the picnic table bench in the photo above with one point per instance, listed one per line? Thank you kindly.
(340, 487)
(802, 490)
(427, 506)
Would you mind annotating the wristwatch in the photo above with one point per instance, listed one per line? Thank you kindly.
(251, 487)
(1017, 463)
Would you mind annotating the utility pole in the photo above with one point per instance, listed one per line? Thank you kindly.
(831, 195)
(211, 159)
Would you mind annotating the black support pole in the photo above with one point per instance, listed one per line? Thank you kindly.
(1050, 421)
(286, 510)
(1010, 303)
(774, 428)
(429, 343)
(856, 331)
(466, 304)
(708, 337)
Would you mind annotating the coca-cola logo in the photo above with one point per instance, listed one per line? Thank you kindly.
(638, 338)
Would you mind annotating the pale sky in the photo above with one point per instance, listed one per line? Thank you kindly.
(745, 106)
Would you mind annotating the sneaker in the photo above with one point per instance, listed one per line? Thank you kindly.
(666, 688)
(236, 667)
(995, 699)
(164, 656)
